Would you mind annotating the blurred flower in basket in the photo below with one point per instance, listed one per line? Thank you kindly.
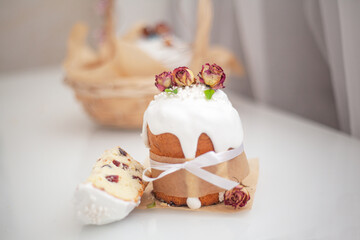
(162, 29)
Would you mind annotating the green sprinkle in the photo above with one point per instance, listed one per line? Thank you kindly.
(209, 93)
(175, 91)
(151, 205)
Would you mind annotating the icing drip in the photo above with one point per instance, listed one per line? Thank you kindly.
(221, 196)
(188, 114)
(193, 203)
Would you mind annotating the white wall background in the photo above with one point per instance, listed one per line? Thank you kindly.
(33, 33)
(300, 56)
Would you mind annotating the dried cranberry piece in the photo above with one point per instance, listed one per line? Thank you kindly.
(125, 166)
(122, 152)
(116, 163)
(136, 177)
(112, 178)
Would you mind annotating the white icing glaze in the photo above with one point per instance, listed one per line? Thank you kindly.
(188, 114)
(94, 206)
(221, 196)
(179, 54)
(193, 203)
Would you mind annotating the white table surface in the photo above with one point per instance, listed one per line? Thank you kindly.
(308, 186)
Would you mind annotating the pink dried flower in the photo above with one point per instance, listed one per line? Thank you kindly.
(163, 81)
(148, 31)
(183, 76)
(237, 197)
(162, 28)
(212, 75)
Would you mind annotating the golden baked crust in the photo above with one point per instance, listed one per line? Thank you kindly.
(168, 145)
(181, 201)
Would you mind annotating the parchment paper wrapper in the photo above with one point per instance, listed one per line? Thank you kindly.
(250, 182)
(184, 184)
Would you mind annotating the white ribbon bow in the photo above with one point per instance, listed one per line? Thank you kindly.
(195, 167)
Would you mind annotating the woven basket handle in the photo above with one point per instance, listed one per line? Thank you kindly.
(201, 41)
(107, 47)
(109, 19)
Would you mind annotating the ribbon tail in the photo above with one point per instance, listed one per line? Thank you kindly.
(213, 178)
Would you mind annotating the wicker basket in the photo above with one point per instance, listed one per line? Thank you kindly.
(118, 105)
(120, 100)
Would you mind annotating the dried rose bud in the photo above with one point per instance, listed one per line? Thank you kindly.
(163, 81)
(183, 76)
(212, 75)
(237, 197)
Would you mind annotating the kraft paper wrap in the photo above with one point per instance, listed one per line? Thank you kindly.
(184, 184)
(250, 182)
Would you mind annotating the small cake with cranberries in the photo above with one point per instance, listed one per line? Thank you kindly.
(190, 117)
(113, 189)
